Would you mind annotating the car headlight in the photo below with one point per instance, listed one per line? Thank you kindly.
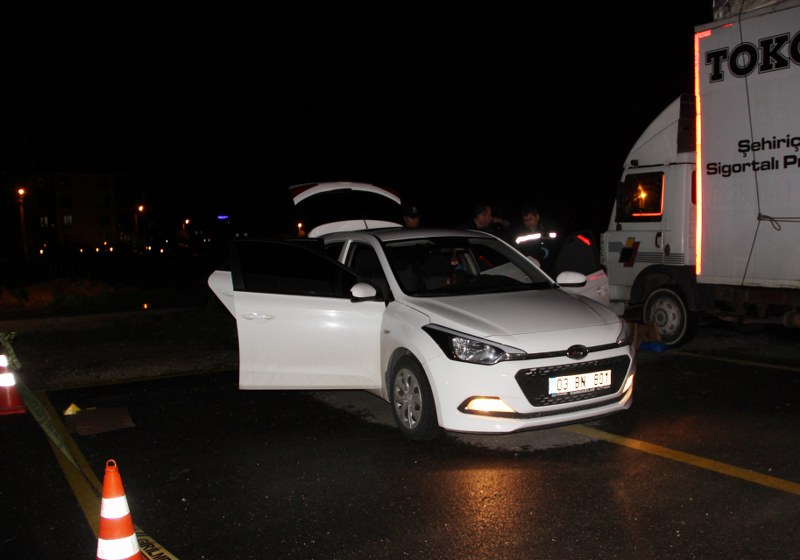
(465, 348)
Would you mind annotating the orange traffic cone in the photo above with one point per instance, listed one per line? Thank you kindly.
(117, 539)
(10, 403)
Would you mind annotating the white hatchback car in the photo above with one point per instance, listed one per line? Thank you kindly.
(457, 330)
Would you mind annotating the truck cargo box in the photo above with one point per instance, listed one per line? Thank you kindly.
(748, 86)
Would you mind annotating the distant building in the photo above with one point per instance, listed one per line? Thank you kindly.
(63, 211)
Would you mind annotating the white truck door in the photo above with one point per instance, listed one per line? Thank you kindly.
(652, 224)
(636, 236)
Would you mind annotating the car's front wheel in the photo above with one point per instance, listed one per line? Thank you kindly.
(412, 401)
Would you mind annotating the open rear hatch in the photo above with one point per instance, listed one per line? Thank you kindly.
(344, 206)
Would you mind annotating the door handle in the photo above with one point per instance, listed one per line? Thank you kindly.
(257, 316)
(658, 239)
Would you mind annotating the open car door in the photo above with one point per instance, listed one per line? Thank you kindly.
(298, 325)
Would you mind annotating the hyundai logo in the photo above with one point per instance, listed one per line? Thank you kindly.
(577, 351)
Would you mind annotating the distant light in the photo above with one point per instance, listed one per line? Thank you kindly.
(222, 217)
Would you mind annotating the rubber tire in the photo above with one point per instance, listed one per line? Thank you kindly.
(666, 308)
(412, 401)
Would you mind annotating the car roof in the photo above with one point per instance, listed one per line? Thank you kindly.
(401, 233)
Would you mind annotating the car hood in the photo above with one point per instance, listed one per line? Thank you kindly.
(530, 320)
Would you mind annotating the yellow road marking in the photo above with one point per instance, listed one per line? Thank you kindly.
(694, 460)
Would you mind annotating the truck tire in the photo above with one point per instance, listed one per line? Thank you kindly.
(666, 308)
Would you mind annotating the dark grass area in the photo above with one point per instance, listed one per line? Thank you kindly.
(84, 295)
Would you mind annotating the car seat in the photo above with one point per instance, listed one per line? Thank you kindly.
(436, 271)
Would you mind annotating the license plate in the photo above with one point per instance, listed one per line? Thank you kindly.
(579, 383)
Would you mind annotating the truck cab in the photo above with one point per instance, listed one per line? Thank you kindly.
(648, 249)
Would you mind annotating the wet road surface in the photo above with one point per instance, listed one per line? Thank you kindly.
(704, 465)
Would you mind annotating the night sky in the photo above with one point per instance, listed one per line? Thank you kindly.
(221, 109)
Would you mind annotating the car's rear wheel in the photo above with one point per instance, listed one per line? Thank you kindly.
(412, 401)
(667, 310)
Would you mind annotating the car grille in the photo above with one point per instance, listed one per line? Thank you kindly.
(533, 381)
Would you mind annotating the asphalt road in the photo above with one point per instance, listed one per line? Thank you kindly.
(78, 350)
(704, 464)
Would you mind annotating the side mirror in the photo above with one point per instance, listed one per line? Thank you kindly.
(362, 290)
(570, 279)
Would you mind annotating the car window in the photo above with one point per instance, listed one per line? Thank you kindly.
(284, 267)
(363, 260)
(334, 249)
(461, 266)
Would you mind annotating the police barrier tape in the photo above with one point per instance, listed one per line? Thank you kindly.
(34, 403)
(150, 548)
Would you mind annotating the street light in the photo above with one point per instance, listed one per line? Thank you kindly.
(21, 192)
(139, 210)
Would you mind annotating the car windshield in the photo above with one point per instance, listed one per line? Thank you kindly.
(438, 266)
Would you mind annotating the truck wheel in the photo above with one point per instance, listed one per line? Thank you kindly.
(666, 309)
(412, 401)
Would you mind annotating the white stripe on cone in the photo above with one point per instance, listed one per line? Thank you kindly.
(114, 508)
(115, 520)
(117, 549)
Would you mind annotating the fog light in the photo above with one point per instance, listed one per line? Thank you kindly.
(628, 384)
(488, 404)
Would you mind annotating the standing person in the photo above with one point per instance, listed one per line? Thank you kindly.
(532, 223)
(411, 216)
(484, 220)
(533, 236)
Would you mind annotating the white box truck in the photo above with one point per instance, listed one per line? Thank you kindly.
(707, 214)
